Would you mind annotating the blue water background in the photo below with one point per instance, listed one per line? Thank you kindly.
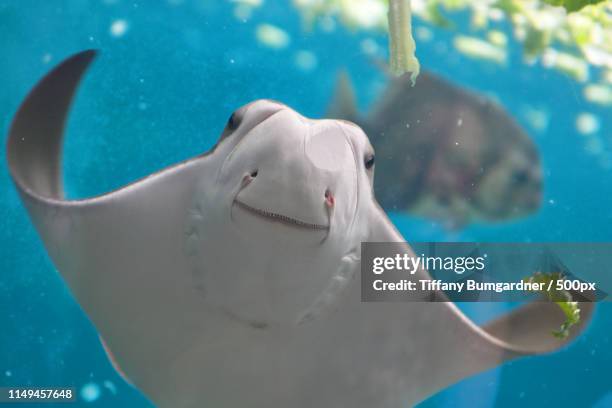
(162, 92)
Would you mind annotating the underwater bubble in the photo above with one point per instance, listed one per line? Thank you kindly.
(598, 93)
(90, 392)
(327, 24)
(250, 3)
(587, 123)
(243, 12)
(47, 58)
(109, 385)
(424, 34)
(272, 36)
(306, 60)
(8, 373)
(244, 8)
(118, 28)
(594, 146)
(537, 117)
(369, 47)
(440, 47)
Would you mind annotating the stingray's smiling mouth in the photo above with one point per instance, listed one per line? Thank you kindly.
(280, 218)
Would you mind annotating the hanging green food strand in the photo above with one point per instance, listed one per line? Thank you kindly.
(401, 44)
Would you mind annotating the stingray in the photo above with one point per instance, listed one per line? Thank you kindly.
(231, 279)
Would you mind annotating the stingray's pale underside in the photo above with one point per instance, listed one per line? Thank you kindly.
(231, 279)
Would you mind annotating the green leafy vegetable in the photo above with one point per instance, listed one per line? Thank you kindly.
(572, 317)
(562, 298)
(572, 5)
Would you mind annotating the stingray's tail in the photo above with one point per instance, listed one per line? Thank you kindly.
(34, 143)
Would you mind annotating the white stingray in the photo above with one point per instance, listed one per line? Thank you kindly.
(232, 279)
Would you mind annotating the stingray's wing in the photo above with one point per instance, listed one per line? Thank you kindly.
(442, 345)
(122, 254)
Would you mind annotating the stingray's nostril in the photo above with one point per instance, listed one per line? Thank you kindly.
(248, 178)
(329, 198)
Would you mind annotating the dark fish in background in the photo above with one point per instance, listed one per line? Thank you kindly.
(446, 153)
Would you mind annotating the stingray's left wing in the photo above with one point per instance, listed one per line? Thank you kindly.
(123, 253)
(444, 345)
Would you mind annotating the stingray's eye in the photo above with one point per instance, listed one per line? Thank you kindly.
(233, 122)
(369, 161)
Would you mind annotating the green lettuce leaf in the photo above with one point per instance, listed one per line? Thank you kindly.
(572, 5)
(562, 298)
